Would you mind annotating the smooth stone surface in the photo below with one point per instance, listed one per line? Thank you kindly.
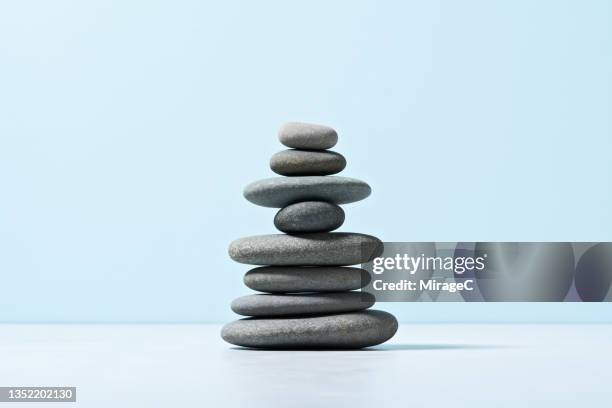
(325, 248)
(347, 330)
(309, 216)
(307, 136)
(307, 163)
(295, 279)
(279, 192)
(303, 304)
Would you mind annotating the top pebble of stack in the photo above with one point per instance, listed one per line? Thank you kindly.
(307, 136)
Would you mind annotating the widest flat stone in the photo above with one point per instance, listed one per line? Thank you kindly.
(295, 279)
(309, 216)
(307, 163)
(281, 191)
(316, 249)
(302, 304)
(307, 136)
(341, 331)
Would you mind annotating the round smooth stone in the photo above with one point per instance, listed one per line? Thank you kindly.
(307, 163)
(295, 279)
(342, 331)
(316, 249)
(307, 136)
(309, 216)
(279, 192)
(304, 304)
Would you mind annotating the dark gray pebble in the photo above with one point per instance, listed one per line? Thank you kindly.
(309, 216)
(307, 163)
(302, 304)
(279, 192)
(316, 249)
(341, 331)
(295, 279)
(307, 136)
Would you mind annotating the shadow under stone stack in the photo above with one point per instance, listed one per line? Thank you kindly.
(310, 299)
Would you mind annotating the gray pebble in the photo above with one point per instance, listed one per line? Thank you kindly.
(307, 136)
(307, 163)
(279, 192)
(316, 249)
(294, 279)
(303, 304)
(341, 331)
(309, 216)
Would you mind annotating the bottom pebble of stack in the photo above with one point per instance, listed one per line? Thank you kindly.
(339, 331)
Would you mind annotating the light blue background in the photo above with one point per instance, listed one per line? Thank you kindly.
(128, 130)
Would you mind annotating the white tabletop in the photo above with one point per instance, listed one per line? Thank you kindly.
(423, 365)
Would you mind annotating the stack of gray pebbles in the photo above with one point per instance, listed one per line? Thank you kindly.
(310, 298)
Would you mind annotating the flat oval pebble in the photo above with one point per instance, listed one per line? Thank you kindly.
(342, 331)
(316, 249)
(279, 192)
(307, 136)
(309, 216)
(303, 304)
(295, 279)
(307, 163)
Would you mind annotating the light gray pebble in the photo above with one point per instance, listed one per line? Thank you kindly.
(309, 216)
(302, 304)
(307, 136)
(278, 192)
(295, 279)
(316, 249)
(307, 163)
(342, 331)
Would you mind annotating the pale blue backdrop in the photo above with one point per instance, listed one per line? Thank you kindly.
(128, 130)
